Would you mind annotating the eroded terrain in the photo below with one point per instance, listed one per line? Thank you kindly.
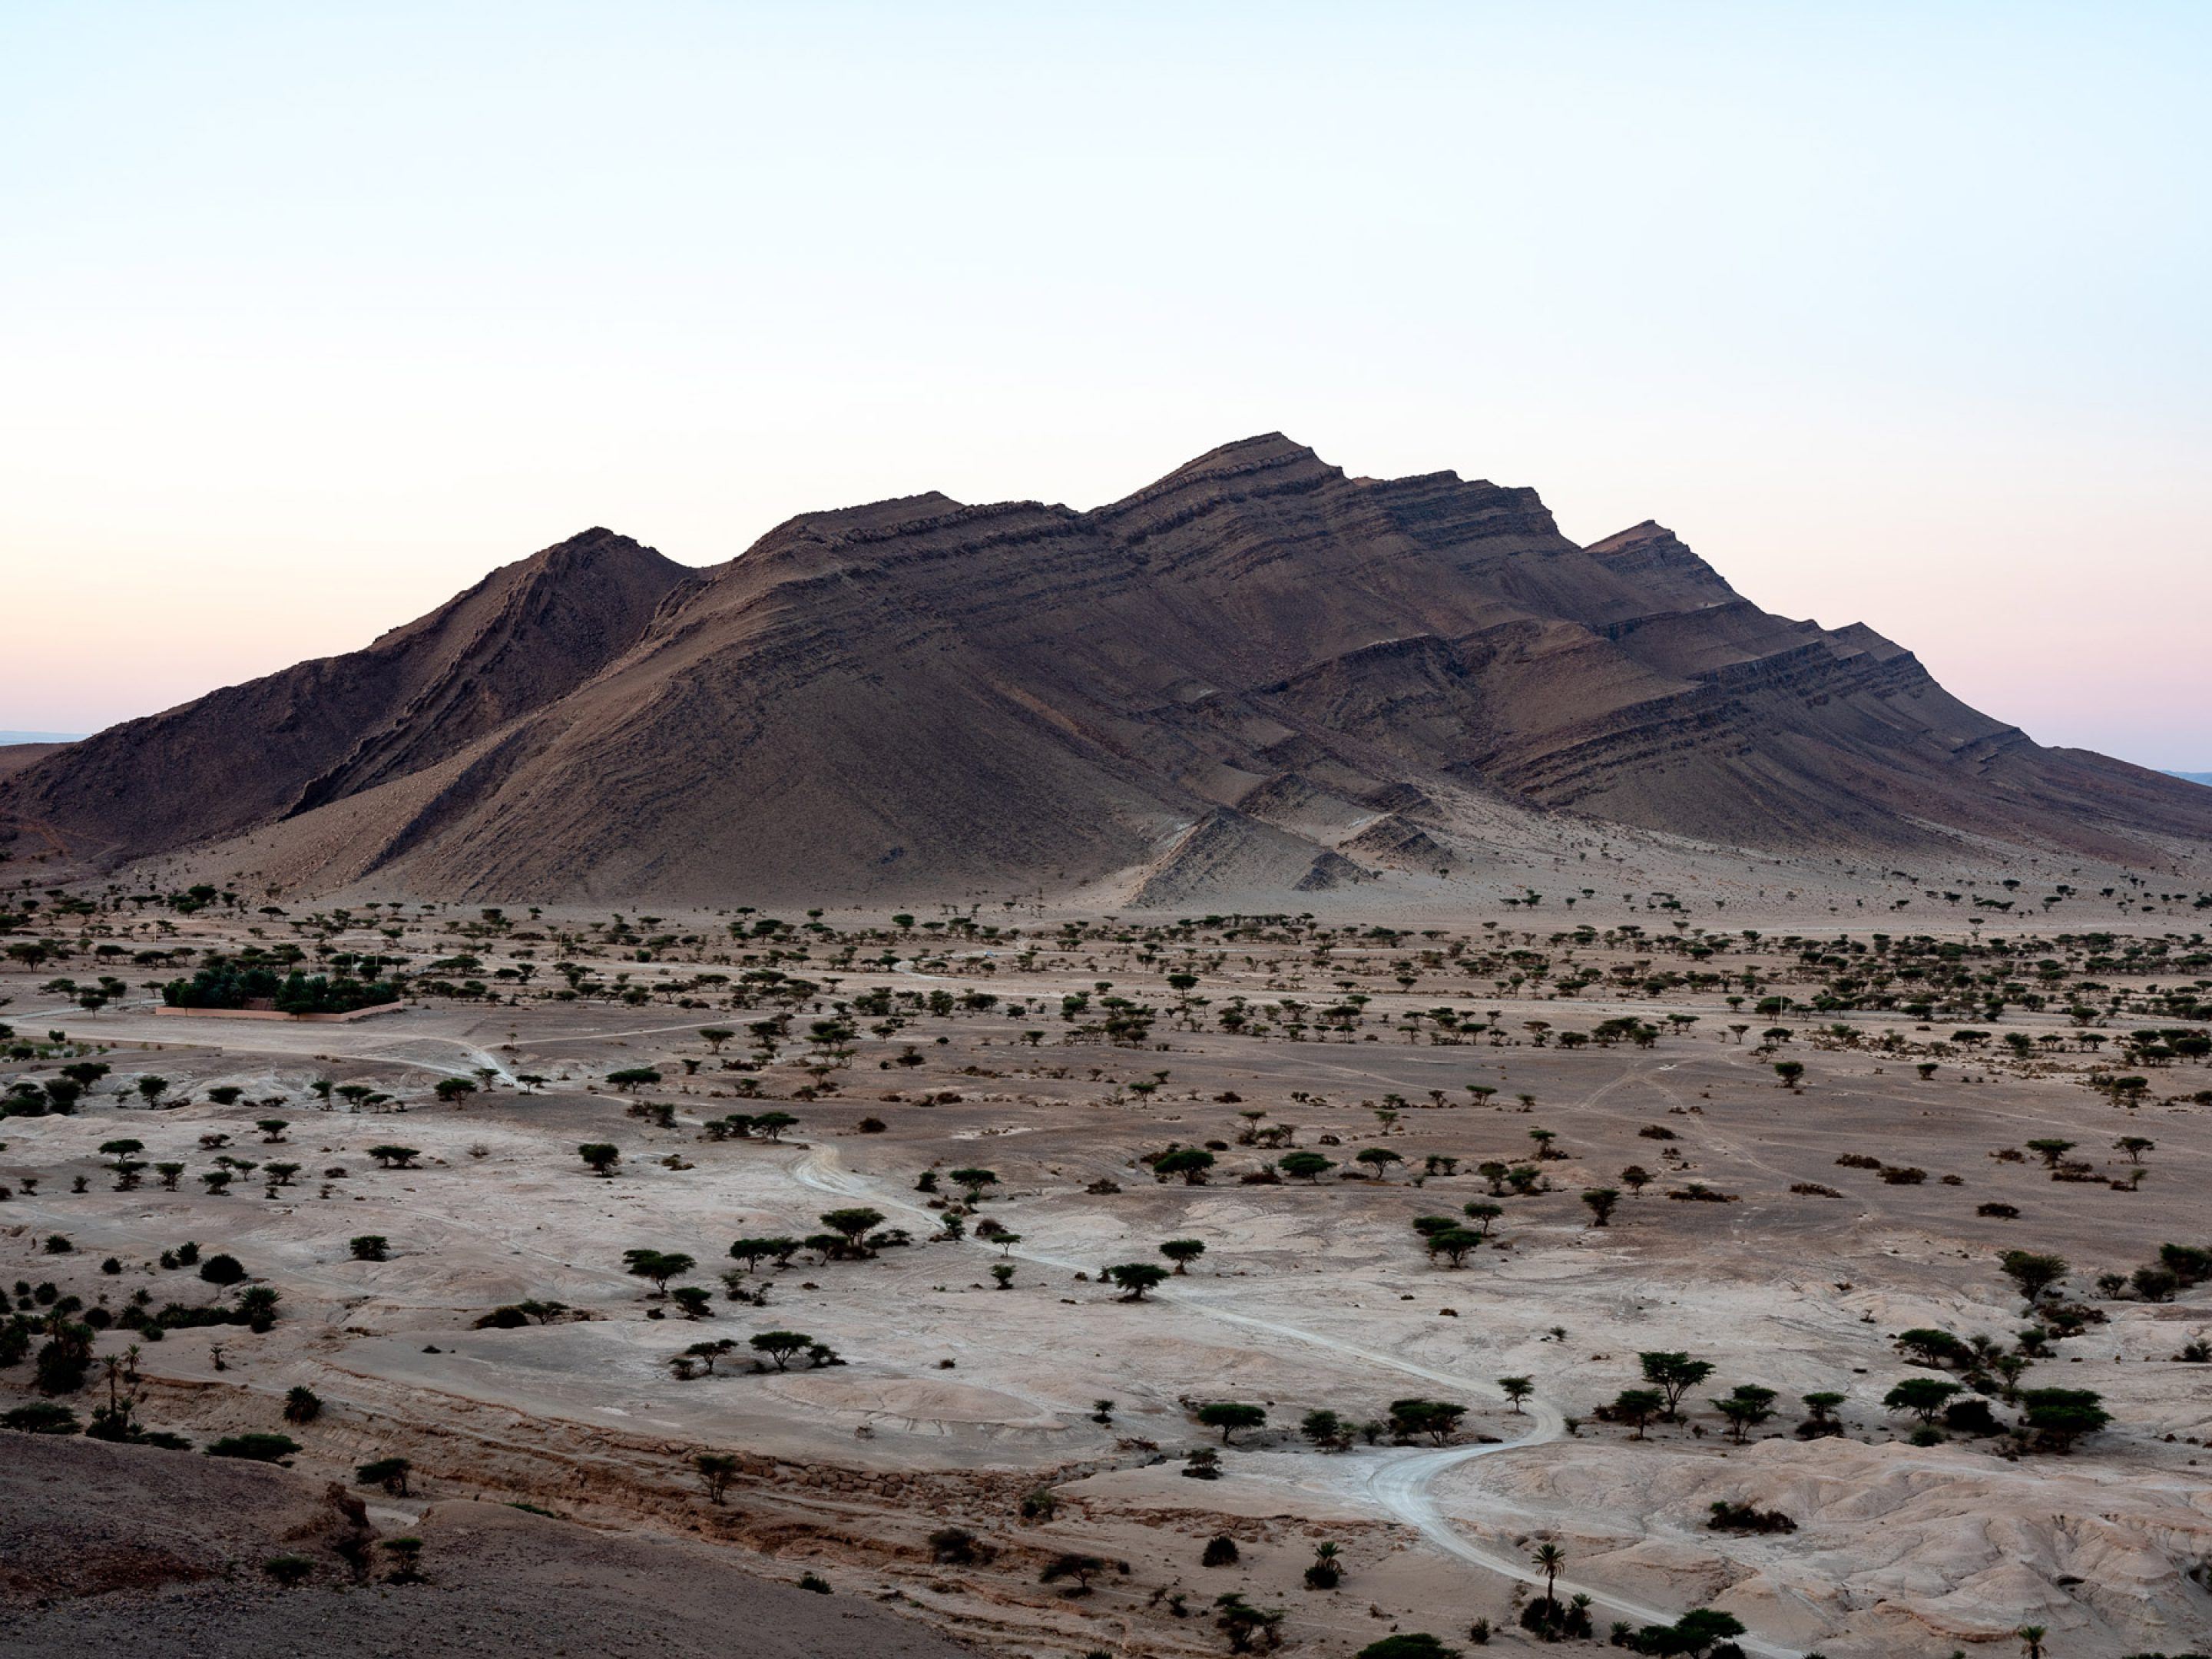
(941, 1441)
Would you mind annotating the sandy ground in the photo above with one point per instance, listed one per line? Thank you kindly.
(176, 1570)
(959, 1399)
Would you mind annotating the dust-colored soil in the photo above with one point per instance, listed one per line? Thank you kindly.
(14, 757)
(962, 1404)
(124, 1550)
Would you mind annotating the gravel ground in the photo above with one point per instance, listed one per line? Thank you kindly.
(124, 1551)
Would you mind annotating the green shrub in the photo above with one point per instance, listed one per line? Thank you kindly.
(40, 1416)
(289, 1570)
(255, 1448)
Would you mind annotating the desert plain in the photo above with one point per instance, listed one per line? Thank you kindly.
(1766, 1117)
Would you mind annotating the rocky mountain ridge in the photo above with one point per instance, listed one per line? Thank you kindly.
(1256, 675)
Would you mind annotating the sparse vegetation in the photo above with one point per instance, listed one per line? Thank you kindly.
(955, 1105)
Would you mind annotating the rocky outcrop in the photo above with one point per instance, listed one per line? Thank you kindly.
(1394, 841)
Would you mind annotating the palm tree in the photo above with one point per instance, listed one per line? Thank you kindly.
(2032, 1635)
(1551, 1558)
(1326, 1572)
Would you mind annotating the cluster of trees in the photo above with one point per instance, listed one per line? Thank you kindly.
(1409, 1420)
(2051, 1419)
(57, 1331)
(2178, 1267)
(1669, 1375)
(852, 1234)
(224, 984)
(780, 1348)
(737, 1126)
(1446, 1237)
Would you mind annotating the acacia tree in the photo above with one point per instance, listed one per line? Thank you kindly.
(1921, 1396)
(1191, 1163)
(2033, 1273)
(1746, 1407)
(1240, 1621)
(972, 1182)
(853, 1225)
(1182, 1252)
(1822, 1404)
(1134, 1278)
(2061, 1416)
(1072, 1565)
(600, 1156)
(1435, 1418)
(716, 1471)
(1673, 1374)
(782, 1346)
(751, 1251)
(1638, 1406)
(1453, 1242)
(1229, 1417)
(1326, 1429)
(658, 1265)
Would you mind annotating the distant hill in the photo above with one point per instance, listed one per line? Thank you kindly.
(40, 736)
(1255, 675)
(2193, 777)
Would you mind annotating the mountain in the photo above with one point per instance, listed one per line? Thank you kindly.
(1257, 674)
(2192, 777)
(518, 641)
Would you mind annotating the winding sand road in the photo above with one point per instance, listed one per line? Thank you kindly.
(1397, 1481)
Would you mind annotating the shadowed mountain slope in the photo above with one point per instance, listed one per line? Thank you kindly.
(1256, 674)
(523, 637)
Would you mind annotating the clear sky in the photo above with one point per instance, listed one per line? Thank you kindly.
(309, 314)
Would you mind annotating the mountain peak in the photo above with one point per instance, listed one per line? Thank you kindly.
(1651, 549)
(1268, 451)
(915, 697)
(595, 544)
